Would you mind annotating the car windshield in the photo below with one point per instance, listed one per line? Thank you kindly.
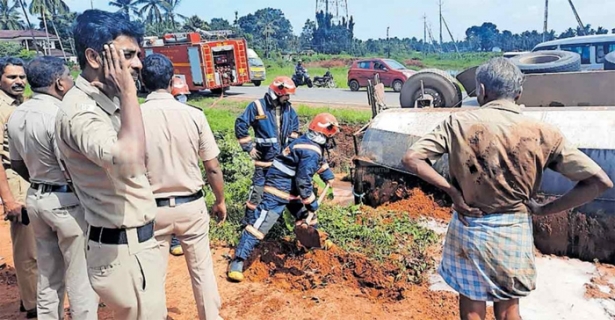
(394, 64)
(256, 62)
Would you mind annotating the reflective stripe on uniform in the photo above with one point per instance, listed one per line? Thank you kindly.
(253, 231)
(245, 140)
(263, 164)
(259, 108)
(266, 140)
(323, 168)
(308, 147)
(280, 166)
(277, 193)
(309, 199)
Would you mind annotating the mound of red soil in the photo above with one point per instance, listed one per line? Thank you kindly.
(281, 264)
(419, 204)
(414, 63)
(333, 63)
(344, 152)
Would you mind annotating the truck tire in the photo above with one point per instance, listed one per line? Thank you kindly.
(609, 61)
(548, 61)
(437, 83)
(257, 83)
(354, 85)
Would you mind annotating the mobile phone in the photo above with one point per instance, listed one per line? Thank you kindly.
(25, 219)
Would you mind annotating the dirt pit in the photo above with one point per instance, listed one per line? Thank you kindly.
(286, 267)
(342, 155)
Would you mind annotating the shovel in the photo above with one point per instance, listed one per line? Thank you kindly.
(307, 235)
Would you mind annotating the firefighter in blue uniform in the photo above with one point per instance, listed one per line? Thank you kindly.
(275, 124)
(289, 185)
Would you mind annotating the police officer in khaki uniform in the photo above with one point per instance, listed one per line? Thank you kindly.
(54, 211)
(178, 136)
(100, 135)
(13, 188)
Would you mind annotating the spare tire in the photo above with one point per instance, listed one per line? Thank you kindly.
(438, 84)
(548, 61)
(609, 61)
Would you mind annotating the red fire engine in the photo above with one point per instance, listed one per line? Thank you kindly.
(203, 62)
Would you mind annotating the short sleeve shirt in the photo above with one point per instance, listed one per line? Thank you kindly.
(87, 127)
(7, 106)
(497, 155)
(31, 130)
(177, 137)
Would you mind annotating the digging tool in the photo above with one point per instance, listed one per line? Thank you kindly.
(309, 236)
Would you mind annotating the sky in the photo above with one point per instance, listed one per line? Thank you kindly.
(405, 17)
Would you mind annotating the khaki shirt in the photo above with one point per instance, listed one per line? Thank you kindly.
(87, 126)
(497, 155)
(7, 106)
(177, 136)
(31, 130)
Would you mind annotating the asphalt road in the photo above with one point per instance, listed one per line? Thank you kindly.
(316, 95)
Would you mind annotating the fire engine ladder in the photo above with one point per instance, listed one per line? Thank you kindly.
(242, 64)
(209, 65)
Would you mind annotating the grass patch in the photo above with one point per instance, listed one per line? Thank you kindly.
(379, 237)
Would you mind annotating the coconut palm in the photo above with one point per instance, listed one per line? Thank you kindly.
(152, 10)
(127, 6)
(46, 8)
(10, 18)
(170, 8)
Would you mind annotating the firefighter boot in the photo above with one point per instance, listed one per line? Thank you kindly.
(235, 272)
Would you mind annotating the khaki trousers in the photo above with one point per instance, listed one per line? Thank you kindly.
(190, 224)
(24, 246)
(128, 277)
(59, 225)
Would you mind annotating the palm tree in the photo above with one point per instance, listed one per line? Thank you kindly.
(193, 23)
(127, 6)
(48, 7)
(25, 14)
(10, 18)
(170, 7)
(152, 11)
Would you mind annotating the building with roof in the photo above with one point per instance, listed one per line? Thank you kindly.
(48, 44)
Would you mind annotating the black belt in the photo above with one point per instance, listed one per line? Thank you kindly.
(166, 202)
(118, 236)
(50, 188)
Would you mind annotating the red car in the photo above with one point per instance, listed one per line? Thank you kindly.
(392, 73)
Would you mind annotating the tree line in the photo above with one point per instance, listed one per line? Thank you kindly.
(268, 31)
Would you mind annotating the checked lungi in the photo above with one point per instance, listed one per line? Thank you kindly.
(492, 259)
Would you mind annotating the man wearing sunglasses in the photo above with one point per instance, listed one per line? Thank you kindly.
(275, 125)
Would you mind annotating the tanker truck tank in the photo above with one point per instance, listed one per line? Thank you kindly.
(380, 177)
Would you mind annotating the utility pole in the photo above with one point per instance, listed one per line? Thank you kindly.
(389, 44)
(440, 5)
(424, 34)
(545, 30)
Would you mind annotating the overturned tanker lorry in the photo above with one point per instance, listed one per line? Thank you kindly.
(580, 104)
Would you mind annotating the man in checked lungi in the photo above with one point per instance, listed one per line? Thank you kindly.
(497, 157)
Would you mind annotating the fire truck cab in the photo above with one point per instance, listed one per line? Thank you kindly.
(205, 59)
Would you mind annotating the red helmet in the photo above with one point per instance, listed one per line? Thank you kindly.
(326, 124)
(179, 86)
(282, 86)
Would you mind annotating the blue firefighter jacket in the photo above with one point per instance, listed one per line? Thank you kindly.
(269, 139)
(294, 168)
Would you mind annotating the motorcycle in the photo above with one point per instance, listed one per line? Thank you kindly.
(302, 78)
(325, 81)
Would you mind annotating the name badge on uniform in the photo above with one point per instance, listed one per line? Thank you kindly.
(87, 107)
(263, 117)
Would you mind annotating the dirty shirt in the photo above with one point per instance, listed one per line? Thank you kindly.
(87, 127)
(497, 155)
(496, 159)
